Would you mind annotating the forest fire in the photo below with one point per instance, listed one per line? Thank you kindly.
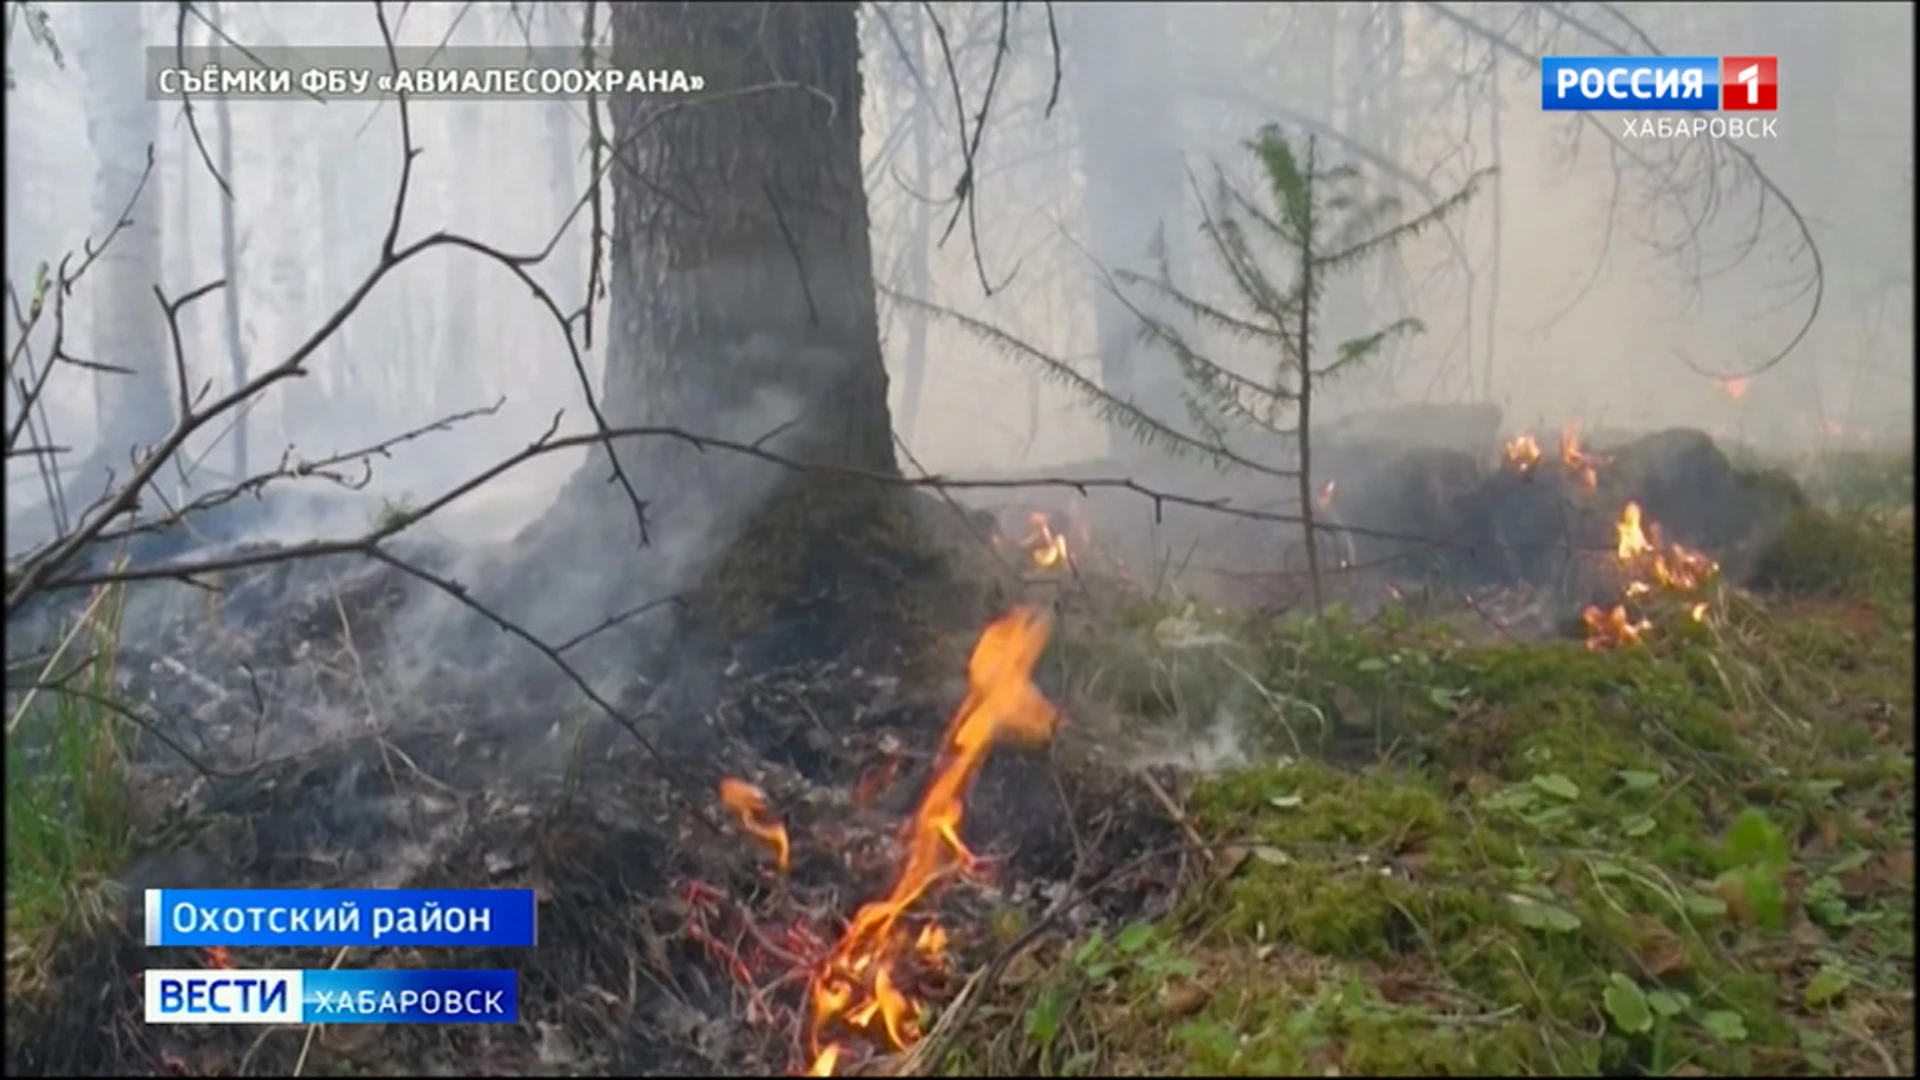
(1645, 564)
(863, 988)
(749, 806)
(1046, 549)
(1577, 461)
(1522, 452)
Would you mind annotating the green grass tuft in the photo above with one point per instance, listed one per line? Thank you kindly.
(68, 820)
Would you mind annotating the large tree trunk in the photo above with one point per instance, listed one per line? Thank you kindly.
(133, 410)
(742, 268)
(743, 302)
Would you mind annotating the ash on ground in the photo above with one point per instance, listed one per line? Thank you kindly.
(463, 781)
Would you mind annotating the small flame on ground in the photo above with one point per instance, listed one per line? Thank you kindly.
(1577, 461)
(1325, 498)
(857, 990)
(1734, 386)
(1522, 452)
(1646, 563)
(749, 806)
(1046, 548)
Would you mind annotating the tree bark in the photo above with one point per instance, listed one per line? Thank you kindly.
(742, 301)
(741, 247)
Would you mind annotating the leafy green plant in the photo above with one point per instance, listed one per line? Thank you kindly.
(1755, 854)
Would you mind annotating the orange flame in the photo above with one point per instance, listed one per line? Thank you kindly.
(1612, 628)
(749, 806)
(1046, 548)
(1577, 461)
(1522, 452)
(219, 957)
(857, 989)
(1325, 498)
(1735, 386)
(1646, 563)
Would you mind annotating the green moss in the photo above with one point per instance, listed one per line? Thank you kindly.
(1550, 823)
(1821, 554)
(1853, 481)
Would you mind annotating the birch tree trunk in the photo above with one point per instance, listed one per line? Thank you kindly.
(1125, 102)
(920, 255)
(230, 266)
(134, 409)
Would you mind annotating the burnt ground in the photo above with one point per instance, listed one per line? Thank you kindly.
(651, 899)
(668, 946)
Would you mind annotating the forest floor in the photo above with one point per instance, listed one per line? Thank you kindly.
(1693, 856)
(1393, 845)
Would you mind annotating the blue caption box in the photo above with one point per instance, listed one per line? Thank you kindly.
(240, 917)
(332, 997)
(1629, 83)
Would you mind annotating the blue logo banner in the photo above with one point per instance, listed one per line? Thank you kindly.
(1630, 83)
(332, 997)
(435, 917)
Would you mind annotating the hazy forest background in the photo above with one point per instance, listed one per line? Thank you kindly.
(1594, 759)
(1571, 289)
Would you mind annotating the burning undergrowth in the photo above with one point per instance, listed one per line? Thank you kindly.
(694, 913)
(1538, 536)
(844, 866)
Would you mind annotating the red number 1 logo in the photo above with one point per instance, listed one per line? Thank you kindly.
(1749, 83)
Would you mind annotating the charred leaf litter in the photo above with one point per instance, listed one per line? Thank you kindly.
(646, 914)
(669, 941)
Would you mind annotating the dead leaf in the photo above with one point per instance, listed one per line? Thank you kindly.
(1414, 863)
(1396, 989)
(1864, 1014)
(1230, 861)
(1824, 841)
(1350, 710)
(1860, 882)
(1795, 883)
(1186, 998)
(1734, 894)
(1022, 969)
(1808, 933)
(1897, 866)
(1661, 952)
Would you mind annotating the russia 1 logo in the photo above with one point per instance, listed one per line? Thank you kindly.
(1749, 83)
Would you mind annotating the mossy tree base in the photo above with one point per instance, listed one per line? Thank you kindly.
(831, 568)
